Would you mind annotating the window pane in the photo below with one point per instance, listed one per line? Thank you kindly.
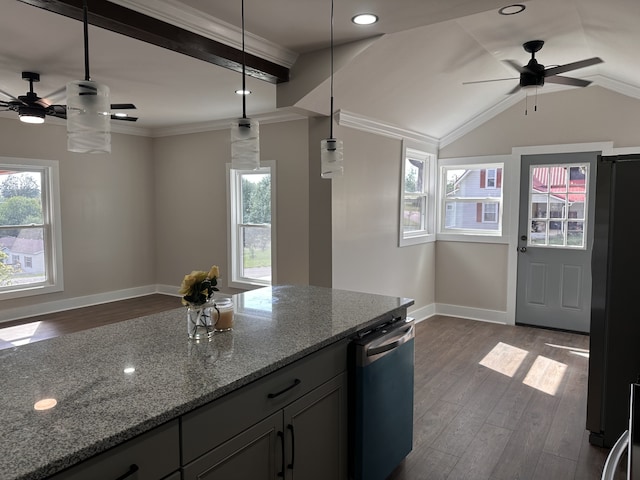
(256, 257)
(461, 215)
(539, 209)
(22, 256)
(538, 233)
(256, 198)
(414, 214)
(21, 198)
(414, 176)
(562, 191)
(556, 209)
(575, 234)
(453, 179)
(556, 233)
(576, 206)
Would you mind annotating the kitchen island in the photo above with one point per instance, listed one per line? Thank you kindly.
(116, 382)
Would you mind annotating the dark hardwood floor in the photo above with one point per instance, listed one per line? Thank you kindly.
(492, 402)
(41, 327)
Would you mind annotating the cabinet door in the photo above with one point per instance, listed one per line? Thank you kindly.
(254, 454)
(316, 433)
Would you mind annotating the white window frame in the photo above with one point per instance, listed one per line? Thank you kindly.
(234, 250)
(418, 151)
(473, 235)
(50, 191)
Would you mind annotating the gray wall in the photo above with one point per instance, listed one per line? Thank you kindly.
(107, 209)
(366, 206)
(573, 116)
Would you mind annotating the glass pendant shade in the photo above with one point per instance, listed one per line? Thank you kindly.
(245, 144)
(88, 117)
(331, 158)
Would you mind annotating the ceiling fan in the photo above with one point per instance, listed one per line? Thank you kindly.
(534, 74)
(32, 109)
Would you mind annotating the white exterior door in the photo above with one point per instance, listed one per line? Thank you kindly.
(555, 237)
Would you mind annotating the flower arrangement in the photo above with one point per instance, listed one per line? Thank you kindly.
(198, 286)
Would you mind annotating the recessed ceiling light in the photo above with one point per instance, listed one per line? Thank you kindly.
(365, 19)
(121, 114)
(243, 92)
(512, 9)
(45, 404)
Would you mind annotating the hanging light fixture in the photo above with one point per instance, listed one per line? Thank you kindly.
(331, 148)
(245, 132)
(88, 108)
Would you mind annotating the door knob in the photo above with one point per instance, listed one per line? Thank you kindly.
(522, 249)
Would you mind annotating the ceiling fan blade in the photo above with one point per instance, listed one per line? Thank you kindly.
(59, 111)
(572, 66)
(514, 90)
(515, 66)
(487, 81)
(10, 97)
(55, 95)
(126, 119)
(576, 82)
(123, 106)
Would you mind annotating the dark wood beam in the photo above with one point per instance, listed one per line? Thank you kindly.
(116, 18)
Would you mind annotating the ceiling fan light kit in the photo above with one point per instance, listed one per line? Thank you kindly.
(245, 132)
(331, 153)
(33, 115)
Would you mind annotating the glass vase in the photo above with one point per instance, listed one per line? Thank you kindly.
(199, 321)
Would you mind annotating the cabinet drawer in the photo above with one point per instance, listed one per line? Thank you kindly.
(156, 454)
(210, 425)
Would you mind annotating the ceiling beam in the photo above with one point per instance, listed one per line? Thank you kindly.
(119, 19)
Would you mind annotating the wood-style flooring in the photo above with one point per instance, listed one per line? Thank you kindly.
(492, 402)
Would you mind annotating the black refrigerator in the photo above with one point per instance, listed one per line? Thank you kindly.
(614, 356)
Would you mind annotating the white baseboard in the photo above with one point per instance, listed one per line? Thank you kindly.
(168, 290)
(492, 316)
(77, 302)
(422, 313)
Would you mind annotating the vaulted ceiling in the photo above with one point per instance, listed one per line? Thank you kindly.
(407, 70)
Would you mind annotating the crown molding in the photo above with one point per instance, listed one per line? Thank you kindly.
(223, 124)
(478, 120)
(617, 86)
(371, 125)
(195, 21)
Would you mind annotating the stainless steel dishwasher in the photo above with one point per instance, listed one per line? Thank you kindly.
(381, 406)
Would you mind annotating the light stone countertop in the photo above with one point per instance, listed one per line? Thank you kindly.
(100, 406)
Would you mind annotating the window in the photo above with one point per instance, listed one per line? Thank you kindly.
(472, 199)
(30, 238)
(558, 197)
(251, 214)
(489, 212)
(416, 208)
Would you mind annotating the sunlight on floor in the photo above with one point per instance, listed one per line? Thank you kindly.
(545, 374)
(504, 358)
(20, 334)
(581, 352)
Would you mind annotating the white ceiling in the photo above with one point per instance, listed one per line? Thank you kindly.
(411, 76)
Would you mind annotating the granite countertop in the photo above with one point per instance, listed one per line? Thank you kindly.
(99, 405)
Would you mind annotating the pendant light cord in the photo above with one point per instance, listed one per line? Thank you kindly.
(244, 87)
(331, 82)
(85, 14)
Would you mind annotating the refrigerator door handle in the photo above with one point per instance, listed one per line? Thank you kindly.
(610, 466)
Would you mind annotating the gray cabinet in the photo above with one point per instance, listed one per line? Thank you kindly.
(151, 456)
(291, 424)
(315, 428)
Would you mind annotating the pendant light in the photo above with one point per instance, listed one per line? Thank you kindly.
(245, 132)
(331, 148)
(88, 108)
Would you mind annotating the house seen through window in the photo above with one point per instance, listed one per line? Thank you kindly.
(30, 250)
(472, 199)
(251, 194)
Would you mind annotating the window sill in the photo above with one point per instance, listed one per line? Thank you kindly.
(418, 239)
(471, 238)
